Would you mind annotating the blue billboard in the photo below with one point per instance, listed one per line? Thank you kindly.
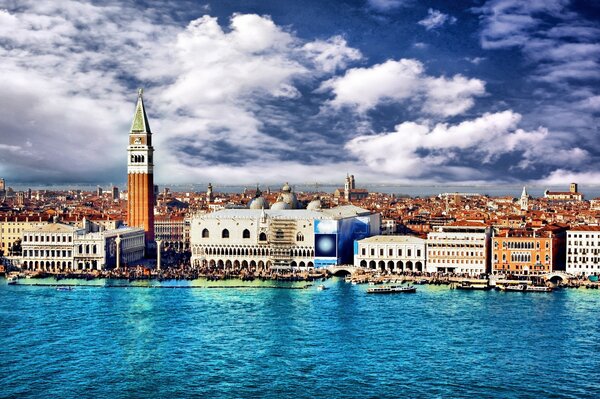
(326, 245)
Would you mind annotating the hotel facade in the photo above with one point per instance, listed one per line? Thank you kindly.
(528, 252)
(583, 251)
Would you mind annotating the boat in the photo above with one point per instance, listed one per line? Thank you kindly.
(13, 280)
(513, 287)
(466, 285)
(421, 281)
(64, 288)
(321, 287)
(536, 288)
(593, 279)
(392, 289)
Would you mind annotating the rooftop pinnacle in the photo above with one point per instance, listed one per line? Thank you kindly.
(140, 120)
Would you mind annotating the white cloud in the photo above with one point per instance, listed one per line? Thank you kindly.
(565, 176)
(64, 73)
(436, 19)
(385, 5)
(416, 150)
(332, 54)
(399, 81)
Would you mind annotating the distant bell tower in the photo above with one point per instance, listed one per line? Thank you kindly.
(524, 200)
(573, 188)
(140, 177)
(347, 187)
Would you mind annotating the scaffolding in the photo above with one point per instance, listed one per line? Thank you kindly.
(281, 237)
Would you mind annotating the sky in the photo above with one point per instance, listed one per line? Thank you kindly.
(241, 92)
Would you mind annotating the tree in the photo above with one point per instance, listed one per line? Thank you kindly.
(15, 250)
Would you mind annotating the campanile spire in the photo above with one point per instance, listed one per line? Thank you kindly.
(140, 172)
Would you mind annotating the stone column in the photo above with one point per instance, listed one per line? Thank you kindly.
(118, 242)
(158, 244)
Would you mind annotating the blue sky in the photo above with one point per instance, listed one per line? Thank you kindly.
(398, 91)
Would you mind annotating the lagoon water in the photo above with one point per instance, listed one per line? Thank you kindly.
(136, 342)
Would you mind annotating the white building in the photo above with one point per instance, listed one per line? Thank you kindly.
(391, 253)
(461, 248)
(279, 238)
(583, 250)
(58, 247)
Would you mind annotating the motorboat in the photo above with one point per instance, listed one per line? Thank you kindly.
(513, 287)
(466, 285)
(536, 288)
(64, 288)
(321, 287)
(392, 289)
(13, 280)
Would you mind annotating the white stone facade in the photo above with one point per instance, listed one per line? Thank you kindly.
(57, 247)
(458, 249)
(583, 251)
(249, 238)
(391, 253)
(278, 239)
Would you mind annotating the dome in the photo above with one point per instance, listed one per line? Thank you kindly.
(280, 205)
(288, 198)
(286, 188)
(259, 203)
(314, 205)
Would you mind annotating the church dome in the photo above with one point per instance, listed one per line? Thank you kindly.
(259, 203)
(286, 188)
(314, 205)
(280, 205)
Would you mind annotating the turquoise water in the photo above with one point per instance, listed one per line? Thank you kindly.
(280, 343)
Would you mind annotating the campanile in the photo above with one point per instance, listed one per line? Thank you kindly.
(140, 178)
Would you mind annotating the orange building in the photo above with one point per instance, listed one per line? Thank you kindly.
(140, 177)
(528, 252)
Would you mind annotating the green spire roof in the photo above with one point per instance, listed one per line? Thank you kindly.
(140, 120)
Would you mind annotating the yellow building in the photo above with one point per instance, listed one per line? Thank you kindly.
(11, 230)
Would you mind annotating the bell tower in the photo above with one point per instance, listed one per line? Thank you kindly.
(140, 177)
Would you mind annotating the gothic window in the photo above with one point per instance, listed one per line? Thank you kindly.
(299, 237)
(246, 233)
(262, 237)
(205, 233)
(225, 233)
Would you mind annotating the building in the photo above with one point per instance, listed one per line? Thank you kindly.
(389, 227)
(173, 231)
(528, 252)
(209, 193)
(572, 195)
(391, 253)
(524, 200)
(140, 173)
(12, 228)
(99, 191)
(115, 193)
(459, 248)
(350, 192)
(279, 238)
(583, 250)
(57, 247)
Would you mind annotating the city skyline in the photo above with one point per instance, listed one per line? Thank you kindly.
(391, 91)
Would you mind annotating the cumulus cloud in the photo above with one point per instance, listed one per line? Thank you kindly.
(400, 81)
(70, 70)
(565, 176)
(435, 19)
(417, 149)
